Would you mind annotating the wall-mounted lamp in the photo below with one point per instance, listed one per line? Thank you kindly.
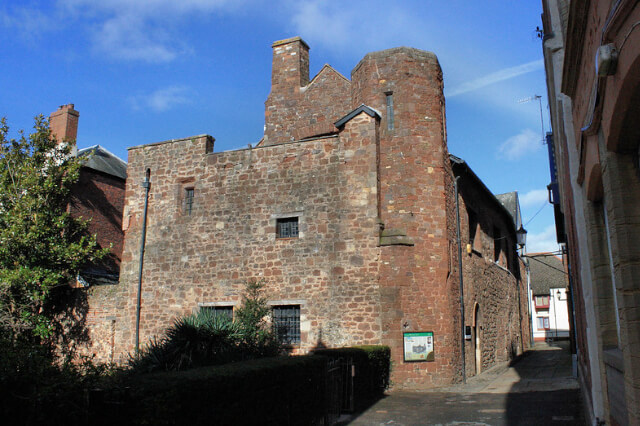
(521, 236)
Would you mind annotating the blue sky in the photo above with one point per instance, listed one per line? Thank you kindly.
(143, 71)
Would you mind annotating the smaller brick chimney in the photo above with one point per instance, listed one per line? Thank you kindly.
(64, 125)
(290, 67)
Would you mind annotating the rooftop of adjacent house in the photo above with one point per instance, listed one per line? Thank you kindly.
(547, 272)
(510, 202)
(97, 158)
(457, 162)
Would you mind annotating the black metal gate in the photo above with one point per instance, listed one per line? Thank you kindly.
(340, 398)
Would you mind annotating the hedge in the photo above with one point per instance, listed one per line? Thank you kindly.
(282, 391)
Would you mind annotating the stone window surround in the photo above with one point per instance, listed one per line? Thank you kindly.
(302, 303)
(294, 213)
(182, 185)
(217, 304)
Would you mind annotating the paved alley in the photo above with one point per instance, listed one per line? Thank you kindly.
(538, 389)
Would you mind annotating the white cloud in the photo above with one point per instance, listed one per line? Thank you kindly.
(318, 23)
(496, 77)
(516, 147)
(143, 30)
(345, 25)
(139, 29)
(28, 23)
(161, 100)
(544, 241)
(533, 198)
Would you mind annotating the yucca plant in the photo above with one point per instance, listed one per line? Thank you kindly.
(205, 338)
(196, 340)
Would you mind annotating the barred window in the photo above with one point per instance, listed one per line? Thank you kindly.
(287, 227)
(390, 118)
(286, 322)
(188, 200)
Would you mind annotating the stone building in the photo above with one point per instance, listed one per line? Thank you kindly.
(346, 208)
(592, 59)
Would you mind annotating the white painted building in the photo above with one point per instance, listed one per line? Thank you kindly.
(548, 297)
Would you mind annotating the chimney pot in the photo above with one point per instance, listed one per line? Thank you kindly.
(64, 125)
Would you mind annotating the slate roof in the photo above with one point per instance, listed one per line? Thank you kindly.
(362, 108)
(460, 166)
(547, 272)
(100, 159)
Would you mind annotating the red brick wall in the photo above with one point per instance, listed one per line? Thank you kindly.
(100, 197)
(89, 313)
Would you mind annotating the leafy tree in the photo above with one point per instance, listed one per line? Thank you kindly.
(41, 245)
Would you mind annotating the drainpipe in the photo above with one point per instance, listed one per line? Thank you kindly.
(146, 185)
(462, 341)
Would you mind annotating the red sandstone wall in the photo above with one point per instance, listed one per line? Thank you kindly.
(412, 199)
(496, 289)
(330, 270)
(296, 108)
(351, 290)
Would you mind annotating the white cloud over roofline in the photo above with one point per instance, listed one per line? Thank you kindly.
(533, 198)
(542, 242)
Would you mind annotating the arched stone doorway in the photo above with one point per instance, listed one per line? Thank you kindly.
(477, 341)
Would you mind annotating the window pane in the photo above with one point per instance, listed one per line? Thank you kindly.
(286, 321)
(390, 118)
(287, 227)
(188, 200)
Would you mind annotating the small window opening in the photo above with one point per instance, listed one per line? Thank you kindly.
(188, 200)
(390, 118)
(208, 146)
(286, 322)
(287, 227)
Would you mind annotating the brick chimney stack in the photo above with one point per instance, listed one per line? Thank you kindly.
(64, 125)
(290, 68)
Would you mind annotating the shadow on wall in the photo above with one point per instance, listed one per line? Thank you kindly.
(94, 199)
(70, 307)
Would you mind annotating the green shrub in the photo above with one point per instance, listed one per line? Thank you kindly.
(258, 337)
